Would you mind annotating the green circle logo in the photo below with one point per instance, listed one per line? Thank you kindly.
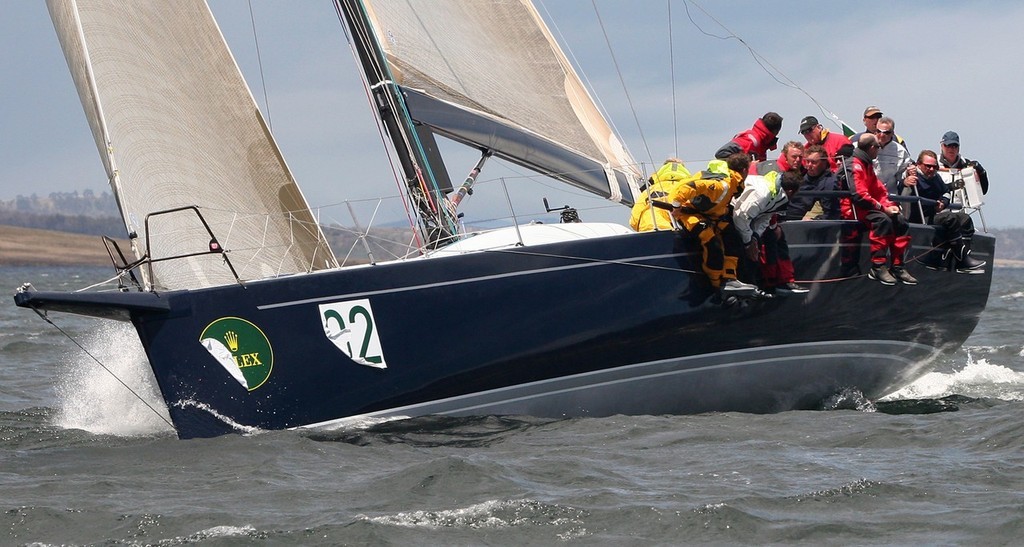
(241, 348)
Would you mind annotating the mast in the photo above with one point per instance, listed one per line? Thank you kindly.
(425, 180)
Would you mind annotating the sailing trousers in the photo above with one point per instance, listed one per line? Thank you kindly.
(719, 250)
(951, 226)
(776, 266)
(888, 236)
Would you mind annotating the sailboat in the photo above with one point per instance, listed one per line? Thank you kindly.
(249, 319)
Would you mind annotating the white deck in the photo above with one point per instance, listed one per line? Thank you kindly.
(531, 234)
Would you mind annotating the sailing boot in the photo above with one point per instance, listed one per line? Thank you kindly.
(735, 287)
(899, 272)
(965, 263)
(793, 287)
(937, 259)
(881, 274)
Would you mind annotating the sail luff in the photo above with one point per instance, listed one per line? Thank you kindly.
(178, 127)
(85, 78)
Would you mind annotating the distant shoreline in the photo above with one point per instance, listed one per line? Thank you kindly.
(33, 247)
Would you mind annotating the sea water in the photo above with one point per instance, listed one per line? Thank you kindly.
(87, 457)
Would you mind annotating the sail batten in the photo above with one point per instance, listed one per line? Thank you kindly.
(498, 64)
(176, 126)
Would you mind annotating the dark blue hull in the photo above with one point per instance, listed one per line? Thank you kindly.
(595, 327)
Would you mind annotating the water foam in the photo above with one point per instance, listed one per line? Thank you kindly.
(240, 428)
(91, 399)
(488, 514)
(214, 533)
(979, 379)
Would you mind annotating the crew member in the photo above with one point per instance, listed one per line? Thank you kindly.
(701, 204)
(645, 217)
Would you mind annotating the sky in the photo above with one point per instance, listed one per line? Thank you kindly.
(671, 84)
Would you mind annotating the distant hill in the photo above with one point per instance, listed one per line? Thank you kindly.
(97, 214)
(94, 214)
(32, 247)
(87, 204)
(85, 213)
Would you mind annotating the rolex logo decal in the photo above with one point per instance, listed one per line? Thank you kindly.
(232, 339)
(241, 348)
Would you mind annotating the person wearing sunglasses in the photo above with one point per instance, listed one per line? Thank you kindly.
(951, 244)
(871, 116)
(893, 158)
(814, 133)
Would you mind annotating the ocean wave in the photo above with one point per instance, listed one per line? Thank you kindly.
(978, 379)
(488, 514)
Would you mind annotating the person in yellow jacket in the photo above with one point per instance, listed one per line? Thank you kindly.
(702, 206)
(645, 217)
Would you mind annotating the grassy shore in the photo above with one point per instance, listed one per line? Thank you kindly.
(31, 247)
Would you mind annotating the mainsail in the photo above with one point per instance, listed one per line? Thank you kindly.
(491, 75)
(177, 126)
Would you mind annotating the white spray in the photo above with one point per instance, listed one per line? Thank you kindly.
(91, 399)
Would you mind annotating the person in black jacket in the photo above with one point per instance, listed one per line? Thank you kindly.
(817, 177)
(952, 159)
(951, 245)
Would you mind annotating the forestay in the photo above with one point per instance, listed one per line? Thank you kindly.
(176, 126)
(491, 75)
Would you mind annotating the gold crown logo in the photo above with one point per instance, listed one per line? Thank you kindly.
(232, 339)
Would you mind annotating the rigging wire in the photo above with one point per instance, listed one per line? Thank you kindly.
(392, 162)
(761, 60)
(259, 61)
(672, 71)
(622, 80)
(432, 196)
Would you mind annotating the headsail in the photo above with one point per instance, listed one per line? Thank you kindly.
(176, 126)
(491, 75)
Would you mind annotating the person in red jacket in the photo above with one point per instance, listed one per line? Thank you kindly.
(871, 205)
(816, 134)
(756, 141)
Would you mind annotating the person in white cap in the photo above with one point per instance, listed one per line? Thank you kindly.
(871, 116)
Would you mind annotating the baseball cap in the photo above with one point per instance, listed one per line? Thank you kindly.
(871, 110)
(807, 123)
(950, 137)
